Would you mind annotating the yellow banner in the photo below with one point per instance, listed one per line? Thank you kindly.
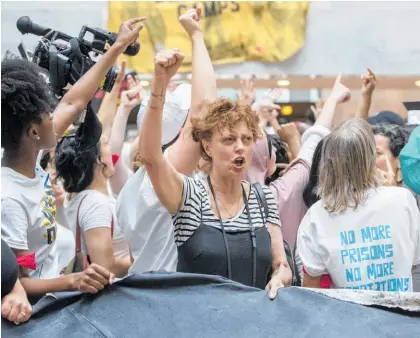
(235, 31)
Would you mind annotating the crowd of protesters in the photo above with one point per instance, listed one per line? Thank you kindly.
(209, 186)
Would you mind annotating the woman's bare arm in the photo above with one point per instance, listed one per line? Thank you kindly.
(99, 246)
(129, 99)
(368, 87)
(166, 181)
(184, 154)
(282, 274)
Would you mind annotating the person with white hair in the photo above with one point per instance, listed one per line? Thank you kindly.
(363, 235)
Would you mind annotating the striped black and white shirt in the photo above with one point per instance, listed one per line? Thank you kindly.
(196, 208)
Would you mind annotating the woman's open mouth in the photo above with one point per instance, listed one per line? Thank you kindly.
(239, 162)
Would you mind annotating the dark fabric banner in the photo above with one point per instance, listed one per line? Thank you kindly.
(187, 305)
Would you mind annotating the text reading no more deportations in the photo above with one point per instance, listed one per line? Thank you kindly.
(364, 263)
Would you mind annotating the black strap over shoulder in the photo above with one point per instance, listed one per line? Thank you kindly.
(261, 198)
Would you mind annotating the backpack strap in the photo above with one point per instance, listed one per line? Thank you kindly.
(261, 198)
(112, 226)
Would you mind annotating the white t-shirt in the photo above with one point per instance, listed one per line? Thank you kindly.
(28, 213)
(371, 248)
(96, 211)
(64, 248)
(147, 226)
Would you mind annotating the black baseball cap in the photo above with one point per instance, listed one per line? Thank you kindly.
(386, 116)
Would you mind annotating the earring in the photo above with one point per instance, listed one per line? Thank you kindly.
(37, 138)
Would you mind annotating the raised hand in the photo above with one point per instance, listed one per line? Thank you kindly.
(167, 63)
(247, 95)
(288, 131)
(274, 94)
(387, 178)
(191, 21)
(369, 83)
(129, 33)
(340, 92)
(132, 97)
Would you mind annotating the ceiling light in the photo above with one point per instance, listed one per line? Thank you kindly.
(417, 83)
(283, 83)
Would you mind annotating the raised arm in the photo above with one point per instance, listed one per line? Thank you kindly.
(166, 181)
(368, 86)
(288, 189)
(247, 93)
(129, 99)
(340, 94)
(76, 99)
(290, 134)
(185, 153)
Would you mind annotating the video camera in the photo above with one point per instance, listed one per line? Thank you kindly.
(68, 58)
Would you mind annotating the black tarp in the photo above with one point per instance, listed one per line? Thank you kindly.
(187, 305)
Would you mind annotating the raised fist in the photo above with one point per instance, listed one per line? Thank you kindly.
(191, 21)
(167, 63)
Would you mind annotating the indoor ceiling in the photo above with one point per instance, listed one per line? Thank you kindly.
(318, 82)
(305, 82)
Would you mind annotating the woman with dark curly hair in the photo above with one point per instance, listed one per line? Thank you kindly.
(32, 122)
(219, 226)
(90, 211)
(390, 139)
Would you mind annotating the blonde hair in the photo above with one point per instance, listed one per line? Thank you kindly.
(347, 167)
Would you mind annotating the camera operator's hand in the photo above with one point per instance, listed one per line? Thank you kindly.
(167, 63)
(129, 33)
(191, 21)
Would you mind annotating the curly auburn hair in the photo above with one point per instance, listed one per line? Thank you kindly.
(220, 114)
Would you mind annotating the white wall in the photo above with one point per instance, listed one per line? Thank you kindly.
(341, 36)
